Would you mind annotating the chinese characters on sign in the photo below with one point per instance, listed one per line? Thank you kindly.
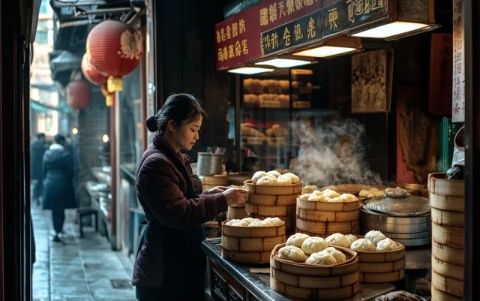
(306, 29)
(233, 46)
(349, 13)
(279, 10)
(273, 26)
(458, 84)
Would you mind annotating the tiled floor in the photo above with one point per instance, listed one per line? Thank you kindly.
(77, 269)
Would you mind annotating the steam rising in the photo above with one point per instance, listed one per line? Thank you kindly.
(331, 153)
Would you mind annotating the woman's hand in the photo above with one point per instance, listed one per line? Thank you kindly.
(235, 195)
(216, 189)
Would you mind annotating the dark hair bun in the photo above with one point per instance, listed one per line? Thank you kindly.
(152, 125)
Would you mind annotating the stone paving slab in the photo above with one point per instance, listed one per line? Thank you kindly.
(77, 269)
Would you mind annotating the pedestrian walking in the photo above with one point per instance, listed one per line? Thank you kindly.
(37, 150)
(58, 192)
(170, 264)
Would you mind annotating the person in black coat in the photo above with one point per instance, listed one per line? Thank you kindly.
(170, 264)
(58, 192)
(37, 150)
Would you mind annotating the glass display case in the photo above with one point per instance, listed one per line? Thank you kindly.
(268, 105)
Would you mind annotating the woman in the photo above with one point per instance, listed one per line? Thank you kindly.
(170, 264)
(58, 193)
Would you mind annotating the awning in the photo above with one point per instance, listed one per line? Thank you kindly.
(43, 108)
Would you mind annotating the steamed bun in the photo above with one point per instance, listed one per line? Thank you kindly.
(292, 253)
(274, 173)
(284, 180)
(363, 244)
(386, 245)
(338, 239)
(321, 258)
(297, 239)
(295, 179)
(375, 236)
(258, 175)
(313, 244)
(351, 238)
(339, 256)
(267, 180)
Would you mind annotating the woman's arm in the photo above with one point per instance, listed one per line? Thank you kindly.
(158, 185)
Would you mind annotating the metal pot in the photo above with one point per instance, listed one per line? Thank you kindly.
(400, 216)
(209, 164)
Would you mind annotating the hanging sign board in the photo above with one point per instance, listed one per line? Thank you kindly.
(273, 27)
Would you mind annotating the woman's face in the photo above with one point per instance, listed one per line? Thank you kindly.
(185, 136)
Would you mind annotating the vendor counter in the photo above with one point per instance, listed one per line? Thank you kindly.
(227, 280)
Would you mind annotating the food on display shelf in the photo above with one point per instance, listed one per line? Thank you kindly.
(297, 239)
(363, 244)
(292, 253)
(255, 222)
(246, 129)
(375, 236)
(313, 244)
(274, 178)
(327, 195)
(250, 99)
(339, 240)
(276, 131)
(371, 193)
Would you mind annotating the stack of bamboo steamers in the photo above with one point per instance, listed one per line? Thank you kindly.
(307, 266)
(447, 204)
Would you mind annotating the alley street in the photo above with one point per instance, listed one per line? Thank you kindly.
(77, 269)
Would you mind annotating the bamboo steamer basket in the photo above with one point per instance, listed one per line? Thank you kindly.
(438, 295)
(447, 235)
(447, 269)
(236, 212)
(273, 201)
(250, 244)
(448, 254)
(209, 182)
(273, 190)
(382, 267)
(301, 281)
(324, 218)
(447, 284)
(448, 204)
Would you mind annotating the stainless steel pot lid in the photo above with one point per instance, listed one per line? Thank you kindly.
(397, 202)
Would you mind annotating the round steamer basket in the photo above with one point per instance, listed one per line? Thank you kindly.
(382, 267)
(448, 204)
(209, 182)
(325, 218)
(301, 281)
(236, 212)
(273, 201)
(251, 245)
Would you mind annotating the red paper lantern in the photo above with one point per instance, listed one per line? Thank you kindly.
(91, 73)
(78, 94)
(114, 49)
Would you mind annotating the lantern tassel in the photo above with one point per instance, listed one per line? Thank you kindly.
(109, 100)
(114, 84)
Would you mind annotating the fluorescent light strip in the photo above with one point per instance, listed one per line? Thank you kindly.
(390, 30)
(250, 70)
(283, 63)
(325, 51)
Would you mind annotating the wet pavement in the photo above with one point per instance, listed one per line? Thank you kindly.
(77, 269)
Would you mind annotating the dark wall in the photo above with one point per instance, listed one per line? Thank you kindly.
(185, 36)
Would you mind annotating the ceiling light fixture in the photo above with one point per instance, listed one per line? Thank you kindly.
(333, 47)
(284, 63)
(250, 70)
